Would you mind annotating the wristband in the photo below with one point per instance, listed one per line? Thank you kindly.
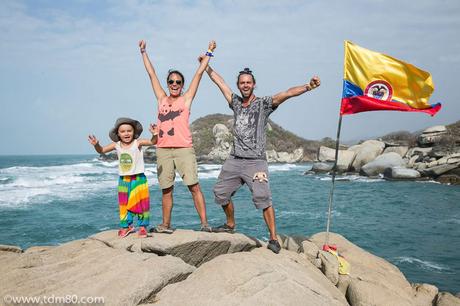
(209, 53)
(142, 50)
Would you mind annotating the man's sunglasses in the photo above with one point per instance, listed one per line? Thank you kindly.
(178, 82)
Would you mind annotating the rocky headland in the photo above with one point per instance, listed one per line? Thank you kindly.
(197, 268)
(431, 154)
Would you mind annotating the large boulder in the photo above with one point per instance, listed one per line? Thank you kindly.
(438, 170)
(365, 153)
(401, 150)
(89, 268)
(195, 248)
(321, 167)
(258, 277)
(401, 173)
(431, 135)
(447, 299)
(344, 161)
(373, 280)
(222, 140)
(382, 162)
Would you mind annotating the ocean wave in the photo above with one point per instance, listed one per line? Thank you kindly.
(350, 178)
(426, 265)
(16, 198)
(285, 167)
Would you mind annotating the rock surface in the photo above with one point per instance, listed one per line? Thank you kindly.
(344, 161)
(254, 278)
(365, 153)
(401, 173)
(373, 280)
(382, 162)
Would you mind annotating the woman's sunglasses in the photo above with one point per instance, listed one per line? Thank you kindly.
(178, 82)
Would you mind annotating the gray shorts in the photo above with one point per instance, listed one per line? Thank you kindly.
(236, 172)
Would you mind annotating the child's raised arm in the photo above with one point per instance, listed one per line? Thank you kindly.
(153, 128)
(100, 149)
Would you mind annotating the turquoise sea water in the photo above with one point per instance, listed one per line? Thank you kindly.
(47, 200)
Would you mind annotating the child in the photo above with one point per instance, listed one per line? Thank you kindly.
(133, 191)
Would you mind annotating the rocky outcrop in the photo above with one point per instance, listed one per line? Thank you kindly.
(401, 173)
(344, 160)
(197, 268)
(254, 278)
(382, 162)
(436, 156)
(431, 135)
(365, 153)
(373, 280)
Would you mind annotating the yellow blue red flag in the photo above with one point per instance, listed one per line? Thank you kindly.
(374, 81)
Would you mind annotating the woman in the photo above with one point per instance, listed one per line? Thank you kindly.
(174, 147)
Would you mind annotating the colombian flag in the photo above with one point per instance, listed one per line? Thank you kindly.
(374, 81)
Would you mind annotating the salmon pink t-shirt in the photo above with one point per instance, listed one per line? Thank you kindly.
(173, 124)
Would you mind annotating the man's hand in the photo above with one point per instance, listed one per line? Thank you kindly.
(314, 82)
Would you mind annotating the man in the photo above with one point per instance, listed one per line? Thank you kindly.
(247, 163)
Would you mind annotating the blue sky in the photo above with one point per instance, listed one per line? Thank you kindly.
(70, 68)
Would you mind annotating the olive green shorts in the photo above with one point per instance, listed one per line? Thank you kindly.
(181, 159)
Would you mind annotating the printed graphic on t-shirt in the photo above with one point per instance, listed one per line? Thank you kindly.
(126, 162)
(166, 115)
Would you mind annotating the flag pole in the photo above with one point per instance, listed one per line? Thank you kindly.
(334, 171)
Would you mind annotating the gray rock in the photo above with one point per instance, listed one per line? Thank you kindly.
(258, 277)
(90, 268)
(425, 294)
(365, 153)
(222, 147)
(401, 173)
(10, 248)
(431, 136)
(195, 248)
(321, 167)
(373, 280)
(382, 162)
(401, 150)
(419, 151)
(311, 251)
(447, 299)
(438, 170)
(345, 157)
(330, 266)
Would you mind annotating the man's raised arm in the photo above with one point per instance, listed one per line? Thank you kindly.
(219, 81)
(295, 91)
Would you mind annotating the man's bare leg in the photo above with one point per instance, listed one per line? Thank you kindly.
(269, 217)
(230, 214)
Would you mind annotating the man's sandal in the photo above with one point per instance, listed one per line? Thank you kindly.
(224, 229)
(162, 229)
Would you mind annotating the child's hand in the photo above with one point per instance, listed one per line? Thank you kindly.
(212, 45)
(93, 140)
(153, 128)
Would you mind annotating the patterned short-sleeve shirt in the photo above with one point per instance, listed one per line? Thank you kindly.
(249, 135)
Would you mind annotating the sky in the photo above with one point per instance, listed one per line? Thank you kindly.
(71, 68)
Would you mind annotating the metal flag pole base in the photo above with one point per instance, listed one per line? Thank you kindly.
(326, 245)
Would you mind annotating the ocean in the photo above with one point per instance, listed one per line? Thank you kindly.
(48, 200)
